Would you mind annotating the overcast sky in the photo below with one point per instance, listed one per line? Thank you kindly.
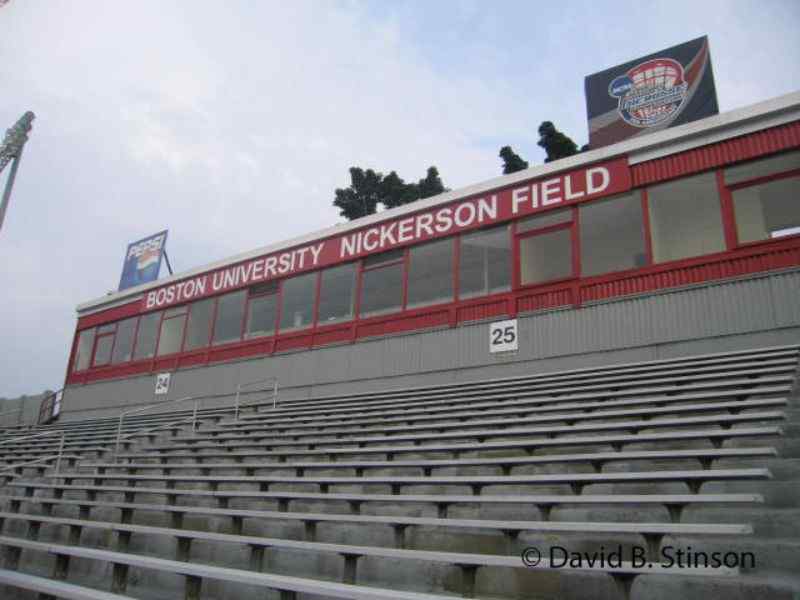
(231, 123)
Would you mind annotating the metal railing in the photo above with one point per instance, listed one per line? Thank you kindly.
(249, 384)
(143, 409)
(29, 463)
(30, 437)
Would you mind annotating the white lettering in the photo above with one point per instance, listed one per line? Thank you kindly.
(369, 246)
(387, 236)
(550, 190)
(405, 230)
(444, 220)
(315, 252)
(605, 180)
(568, 193)
(424, 222)
(518, 196)
(269, 266)
(461, 219)
(487, 210)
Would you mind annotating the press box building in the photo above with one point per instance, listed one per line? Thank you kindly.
(679, 242)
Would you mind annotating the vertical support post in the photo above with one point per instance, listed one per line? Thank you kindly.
(119, 435)
(275, 394)
(60, 452)
(194, 417)
(236, 403)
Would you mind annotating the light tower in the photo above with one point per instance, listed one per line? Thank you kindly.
(11, 152)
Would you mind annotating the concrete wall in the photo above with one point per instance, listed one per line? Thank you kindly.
(747, 313)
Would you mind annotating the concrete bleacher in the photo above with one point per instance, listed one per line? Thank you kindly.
(425, 493)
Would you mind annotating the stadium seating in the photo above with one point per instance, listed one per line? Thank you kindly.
(425, 493)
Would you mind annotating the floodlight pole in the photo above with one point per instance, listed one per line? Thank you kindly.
(9, 185)
(11, 151)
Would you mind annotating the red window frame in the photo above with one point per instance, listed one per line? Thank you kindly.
(402, 260)
(277, 293)
(97, 337)
(571, 225)
(729, 211)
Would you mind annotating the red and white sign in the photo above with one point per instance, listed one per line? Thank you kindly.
(495, 206)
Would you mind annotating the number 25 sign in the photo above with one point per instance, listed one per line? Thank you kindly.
(503, 336)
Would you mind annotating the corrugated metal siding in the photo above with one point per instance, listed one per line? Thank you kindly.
(759, 304)
(716, 155)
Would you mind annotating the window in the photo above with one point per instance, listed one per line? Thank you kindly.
(171, 337)
(123, 348)
(230, 313)
(382, 283)
(146, 336)
(767, 211)
(337, 294)
(104, 342)
(781, 163)
(198, 328)
(685, 218)
(430, 273)
(297, 297)
(262, 310)
(83, 354)
(770, 209)
(612, 235)
(545, 249)
(484, 265)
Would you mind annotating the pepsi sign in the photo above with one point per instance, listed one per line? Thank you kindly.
(143, 260)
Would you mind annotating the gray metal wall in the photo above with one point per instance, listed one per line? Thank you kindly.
(753, 312)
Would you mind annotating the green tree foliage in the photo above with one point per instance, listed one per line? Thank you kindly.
(368, 188)
(512, 162)
(556, 144)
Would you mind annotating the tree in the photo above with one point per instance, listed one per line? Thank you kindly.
(512, 162)
(556, 144)
(363, 195)
(430, 185)
(368, 188)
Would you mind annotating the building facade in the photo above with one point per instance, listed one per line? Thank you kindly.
(683, 241)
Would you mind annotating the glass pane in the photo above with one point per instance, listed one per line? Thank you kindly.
(106, 328)
(230, 312)
(485, 262)
(769, 210)
(337, 294)
(761, 168)
(199, 328)
(430, 273)
(685, 218)
(123, 349)
(382, 290)
(551, 218)
(546, 256)
(84, 351)
(384, 257)
(146, 337)
(297, 310)
(261, 316)
(171, 335)
(102, 351)
(612, 235)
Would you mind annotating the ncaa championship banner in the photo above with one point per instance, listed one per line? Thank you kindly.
(143, 260)
(666, 88)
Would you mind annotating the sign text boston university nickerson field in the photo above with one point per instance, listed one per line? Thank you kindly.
(503, 204)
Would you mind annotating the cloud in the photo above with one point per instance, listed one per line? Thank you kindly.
(232, 123)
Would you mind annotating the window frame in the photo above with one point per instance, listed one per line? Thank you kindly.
(575, 248)
(454, 243)
(403, 261)
(729, 211)
(97, 337)
(278, 301)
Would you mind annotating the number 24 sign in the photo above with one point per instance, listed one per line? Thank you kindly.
(503, 336)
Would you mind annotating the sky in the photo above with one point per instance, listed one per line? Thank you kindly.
(231, 123)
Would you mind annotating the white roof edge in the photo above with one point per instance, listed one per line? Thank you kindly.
(733, 123)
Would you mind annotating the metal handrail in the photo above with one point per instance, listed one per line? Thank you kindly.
(58, 457)
(30, 437)
(242, 386)
(142, 409)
